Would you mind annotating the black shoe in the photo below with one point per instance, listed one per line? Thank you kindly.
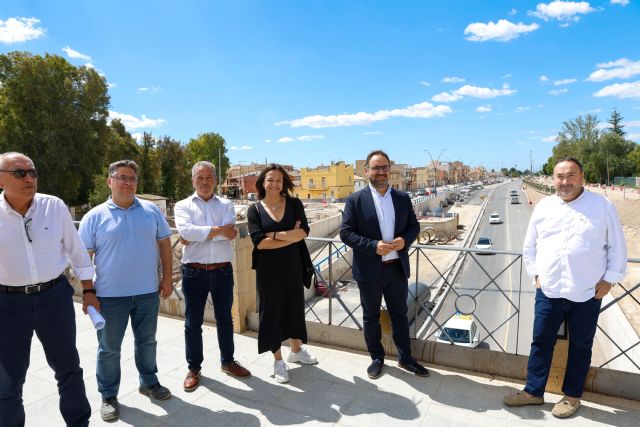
(375, 369)
(415, 368)
(109, 410)
(155, 391)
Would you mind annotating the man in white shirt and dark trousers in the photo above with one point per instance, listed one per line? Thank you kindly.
(576, 251)
(206, 224)
(37, 242)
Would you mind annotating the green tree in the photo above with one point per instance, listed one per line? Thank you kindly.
(210, 147)
(175, 177)
(148, 172)
(56, 114)
(616, 123)
(577, 138)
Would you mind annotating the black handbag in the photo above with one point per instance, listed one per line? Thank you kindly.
(308, 269)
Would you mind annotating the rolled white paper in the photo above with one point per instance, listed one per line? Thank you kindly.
(96, 318)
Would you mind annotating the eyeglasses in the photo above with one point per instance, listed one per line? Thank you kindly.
(123, 179)
(379, 169)
(27, 229)
(21, 173)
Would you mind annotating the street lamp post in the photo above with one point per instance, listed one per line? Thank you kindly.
(435, 183)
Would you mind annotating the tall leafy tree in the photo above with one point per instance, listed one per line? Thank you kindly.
(55, 113)
(616, 123)
(148, 172)
(210, 147)
(175, 175)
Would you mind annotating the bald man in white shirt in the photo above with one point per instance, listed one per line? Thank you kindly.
(37, 242)
(575, 250)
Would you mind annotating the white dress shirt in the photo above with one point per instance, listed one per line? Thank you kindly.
(572, 246)
(386, 218)
(54, 243)
(194, 218)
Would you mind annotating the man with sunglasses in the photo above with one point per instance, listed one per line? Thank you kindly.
(379, 224)
(128, 237)
(37, 242)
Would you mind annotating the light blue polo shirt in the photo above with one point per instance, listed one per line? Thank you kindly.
(125, 245)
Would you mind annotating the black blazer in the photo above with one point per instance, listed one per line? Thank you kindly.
(360, 230)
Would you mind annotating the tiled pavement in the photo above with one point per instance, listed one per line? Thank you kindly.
(337, 391)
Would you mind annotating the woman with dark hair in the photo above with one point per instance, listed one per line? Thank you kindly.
(278, 226)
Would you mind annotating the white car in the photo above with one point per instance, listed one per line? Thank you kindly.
(495, 218)
(484, 243)
(461, 330)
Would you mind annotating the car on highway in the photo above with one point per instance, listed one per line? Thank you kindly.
(513, 193)
(484, 243)
(460, 330)
(515, 200)
(495, 218)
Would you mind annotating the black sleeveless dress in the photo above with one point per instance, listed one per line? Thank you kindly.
(278, 277)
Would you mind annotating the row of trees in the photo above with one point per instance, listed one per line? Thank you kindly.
(58, 115)
(604, 154)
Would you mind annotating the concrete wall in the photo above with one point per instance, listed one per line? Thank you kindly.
(599, 380)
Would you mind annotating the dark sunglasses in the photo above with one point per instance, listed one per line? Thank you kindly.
(21, 173)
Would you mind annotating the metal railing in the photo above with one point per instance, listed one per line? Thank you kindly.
(436, 294)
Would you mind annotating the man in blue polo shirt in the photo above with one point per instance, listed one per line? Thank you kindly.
(128, 237)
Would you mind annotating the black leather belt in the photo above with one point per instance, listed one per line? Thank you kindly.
(31, 289)
(391, 261)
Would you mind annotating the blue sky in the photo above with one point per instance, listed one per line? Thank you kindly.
(310, 82)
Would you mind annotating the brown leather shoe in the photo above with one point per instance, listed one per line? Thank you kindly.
(192, 381)
(235, 369)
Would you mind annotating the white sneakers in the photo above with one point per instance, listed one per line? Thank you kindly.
(280, 372)
(303, 357)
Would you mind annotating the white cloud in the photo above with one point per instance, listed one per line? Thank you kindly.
(241, 148)
(502, 31)
(595, 111)
(308, 138)
(74, 54)
(522, 109)
(564, 82)
(445, 97)
(17, 30)
(620, 2)
(131, 122)
(153, 89)
(558, 92)
(622, 68)
(544, 78)
(551, 138)
(473, 92)
(632, 124)
(484, 109)
(138, 136)
(423, 83)
(513, 12)
(562, 10)
(268, 141)
(522, 143)
(304, 138)
(112, 85)
(424, 110)
(620, 90)
(506, 76)
(634, 137)
(452, 80)
(377, 132)
(484, 92)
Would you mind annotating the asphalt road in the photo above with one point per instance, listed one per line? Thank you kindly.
(496, 288)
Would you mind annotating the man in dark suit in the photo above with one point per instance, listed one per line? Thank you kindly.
(379, 224)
